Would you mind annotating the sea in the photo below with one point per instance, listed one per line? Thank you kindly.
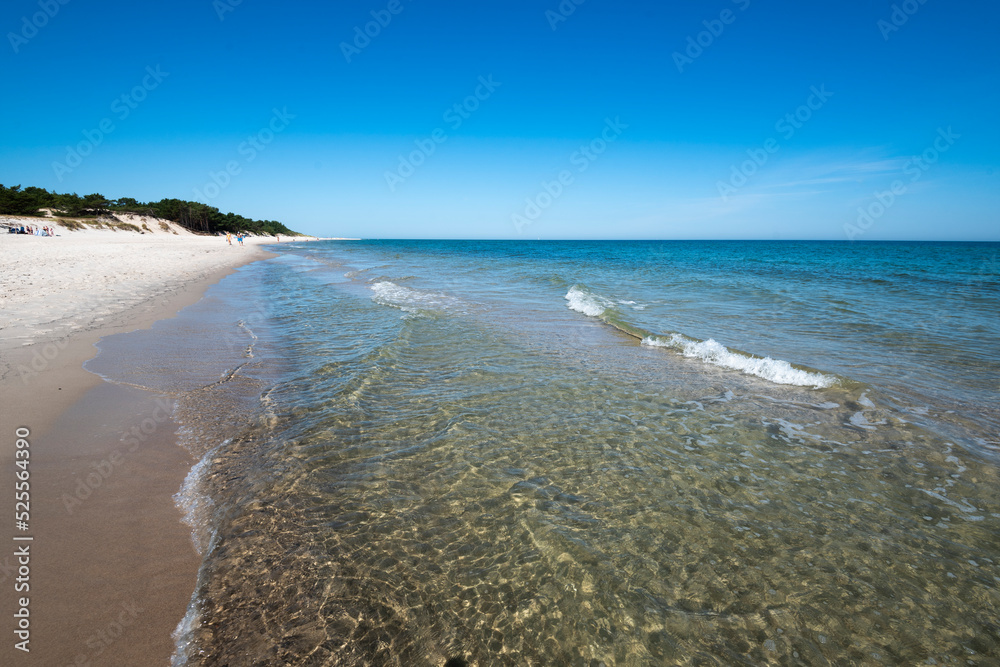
(593, 453)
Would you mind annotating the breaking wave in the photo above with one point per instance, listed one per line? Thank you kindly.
(709, 351)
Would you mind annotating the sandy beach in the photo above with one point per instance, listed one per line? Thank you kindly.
(78, 280)
(110, 575)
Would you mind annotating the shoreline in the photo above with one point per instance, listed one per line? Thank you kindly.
(119, 562)
(52, 367)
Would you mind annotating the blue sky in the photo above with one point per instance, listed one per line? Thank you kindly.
(728, 119)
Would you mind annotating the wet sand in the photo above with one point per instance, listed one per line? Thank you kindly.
(112, 567)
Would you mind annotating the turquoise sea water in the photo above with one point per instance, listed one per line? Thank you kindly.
(586, 453)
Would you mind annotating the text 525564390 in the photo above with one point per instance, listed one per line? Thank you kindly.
(22, 549)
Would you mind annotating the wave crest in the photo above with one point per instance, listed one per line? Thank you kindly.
(408, 299)
(717, 354)
(586, 302)
(710, 351)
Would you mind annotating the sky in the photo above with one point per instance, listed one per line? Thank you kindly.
(582, 119)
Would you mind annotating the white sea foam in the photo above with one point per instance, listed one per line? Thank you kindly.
(709, 351)
(195, 505)
(196, 508)
(586, 302)
(712, 352)
(184, 634)
(410, 300)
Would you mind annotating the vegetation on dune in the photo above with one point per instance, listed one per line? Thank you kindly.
(195, 216)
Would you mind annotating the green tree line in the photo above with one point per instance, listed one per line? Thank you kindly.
(197, 217)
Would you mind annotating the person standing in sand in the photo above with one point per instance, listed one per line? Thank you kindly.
(229, 238)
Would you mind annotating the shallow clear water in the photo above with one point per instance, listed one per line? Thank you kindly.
(585, 453)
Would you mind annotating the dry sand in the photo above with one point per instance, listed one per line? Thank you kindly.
(76, 280)
(110, 577)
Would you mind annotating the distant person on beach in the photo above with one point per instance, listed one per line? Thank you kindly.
(240, 239)
(229, 238)
(278, 236)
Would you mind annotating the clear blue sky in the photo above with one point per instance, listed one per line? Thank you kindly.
(684, 140)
